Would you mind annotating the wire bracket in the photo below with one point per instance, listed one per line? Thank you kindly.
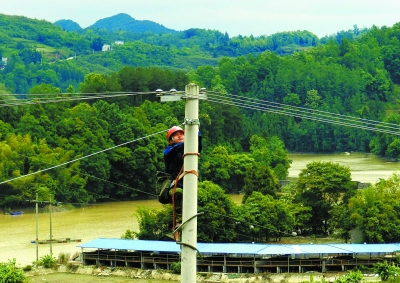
(191, 122)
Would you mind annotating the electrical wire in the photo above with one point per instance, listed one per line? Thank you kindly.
(306, 113)
(45, 100)
(80, 158)
(100, 179)
(233, 100)
(241, 101)
(66, 97)
(226, 99)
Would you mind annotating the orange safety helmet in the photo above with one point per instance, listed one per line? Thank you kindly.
(173, 130)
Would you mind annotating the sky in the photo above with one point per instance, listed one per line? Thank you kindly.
(236, 17)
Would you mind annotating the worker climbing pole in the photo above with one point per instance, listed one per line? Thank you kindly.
(188, 227)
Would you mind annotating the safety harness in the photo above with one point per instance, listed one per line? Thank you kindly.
(175, 226)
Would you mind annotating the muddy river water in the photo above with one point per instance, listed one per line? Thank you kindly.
(111, 220)
(365, 168)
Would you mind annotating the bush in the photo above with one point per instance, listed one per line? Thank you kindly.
(63, 258)
(9, 273)
(386, 270)
(47, 261)
(176, 267)
(350, 277)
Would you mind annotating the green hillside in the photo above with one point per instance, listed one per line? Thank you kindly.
(267, 96)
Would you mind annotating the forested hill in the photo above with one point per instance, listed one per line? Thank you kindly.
(355, 77)
(185, 49)
(127, 23)
(119, 22)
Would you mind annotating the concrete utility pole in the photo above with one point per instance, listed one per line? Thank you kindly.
(191, 147)
(51, 232)
(37, 224)
(37, 230)
(189, 229)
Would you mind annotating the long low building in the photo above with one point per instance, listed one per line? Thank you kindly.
(237, 257)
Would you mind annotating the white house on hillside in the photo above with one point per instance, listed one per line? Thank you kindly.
(106, 47)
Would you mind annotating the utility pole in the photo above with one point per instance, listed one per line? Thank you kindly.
(37, 225)
(37, 230)
(189, 229)
(191, 147)
(51, 233)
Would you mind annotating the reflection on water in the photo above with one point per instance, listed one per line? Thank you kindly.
(111, 220)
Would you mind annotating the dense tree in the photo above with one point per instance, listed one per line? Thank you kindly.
(322, 186)
(386, 144)
(153, 224)
(270, 152)
(260, 218)
(375, 210)
(97, 44)
(94, 83)
(212, 202)
(216, 206)
(301, 213)
(264, 217)
(259, 178)
(217, 166)
(341, 221)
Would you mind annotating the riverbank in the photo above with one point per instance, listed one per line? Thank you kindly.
(92, 274)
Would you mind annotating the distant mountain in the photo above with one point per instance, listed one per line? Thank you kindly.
(125, 22)
(68, 25)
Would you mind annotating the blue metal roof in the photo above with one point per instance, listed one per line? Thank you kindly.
(132, 245)
(231, 248)
(369, 248)
(240, 248)
(317, 249)
(276, 250)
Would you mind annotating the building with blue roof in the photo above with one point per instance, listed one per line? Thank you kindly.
(237, 257)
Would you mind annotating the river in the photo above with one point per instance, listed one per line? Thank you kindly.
(110, 220)
(364, 168)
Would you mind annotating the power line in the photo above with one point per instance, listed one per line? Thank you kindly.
(238, 101)
(100, 179)
(241, 101)
(306, 113)
(233, 100)
(80, 97)
(80, 158)
(227, 99)
(67, 97)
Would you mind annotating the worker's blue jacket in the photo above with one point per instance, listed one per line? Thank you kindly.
(173, 159)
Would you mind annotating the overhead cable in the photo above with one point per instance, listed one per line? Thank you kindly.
(80, 158)
(306, 113)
